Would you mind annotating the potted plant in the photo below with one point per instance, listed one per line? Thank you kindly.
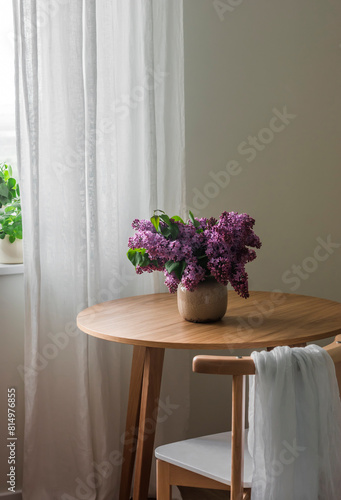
(198, 258)
(10, 218)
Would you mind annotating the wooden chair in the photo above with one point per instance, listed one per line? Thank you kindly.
(220, 461)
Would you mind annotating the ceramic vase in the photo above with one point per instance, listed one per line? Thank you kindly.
(206, 304)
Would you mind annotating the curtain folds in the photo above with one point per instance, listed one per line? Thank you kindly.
(100, 127)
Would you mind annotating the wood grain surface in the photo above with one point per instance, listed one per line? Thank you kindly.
(265, 319)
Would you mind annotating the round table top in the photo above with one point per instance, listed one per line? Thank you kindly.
(265, 319)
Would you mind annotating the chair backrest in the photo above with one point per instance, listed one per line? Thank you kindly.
(334, 350)
(239, 367)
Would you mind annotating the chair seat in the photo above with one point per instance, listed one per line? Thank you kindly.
(209, 456)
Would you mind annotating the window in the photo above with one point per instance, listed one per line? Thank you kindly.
(7, 87)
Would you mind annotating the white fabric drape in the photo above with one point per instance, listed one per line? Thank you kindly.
(100, 127)
(295, 425)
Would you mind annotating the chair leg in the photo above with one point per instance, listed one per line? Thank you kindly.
(247, 495)
(163, 488)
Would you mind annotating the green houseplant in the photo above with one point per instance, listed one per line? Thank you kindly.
(10, 217)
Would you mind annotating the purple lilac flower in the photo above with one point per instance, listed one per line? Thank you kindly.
(192, 275)
(215, 247)
(171, 282)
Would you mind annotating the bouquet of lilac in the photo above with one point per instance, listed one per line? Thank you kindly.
(187, 253)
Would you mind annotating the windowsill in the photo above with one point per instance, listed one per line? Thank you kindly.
(11, 269)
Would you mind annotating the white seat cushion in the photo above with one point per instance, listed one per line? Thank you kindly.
(209, 456)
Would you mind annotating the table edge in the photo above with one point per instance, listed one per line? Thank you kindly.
(215, 346)
(89, 310)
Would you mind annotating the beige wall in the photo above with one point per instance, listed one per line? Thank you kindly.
(263, 55)
(11, 355)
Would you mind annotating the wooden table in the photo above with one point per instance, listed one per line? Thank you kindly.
(152, 323)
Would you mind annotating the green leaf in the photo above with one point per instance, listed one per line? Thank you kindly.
(174, 230)
(138, 257)
(3, 189)
(169, 231)
(176, 218)
(182, 268)
(9, 189)
(11, 183)
(194, 222)
(131, 255)
(165, 219)
(164, 230)
(18, 233)
(172, 267)
(12, 239)
(176, 267)
(155, 220)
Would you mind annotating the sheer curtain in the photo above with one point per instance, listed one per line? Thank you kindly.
(100, 127)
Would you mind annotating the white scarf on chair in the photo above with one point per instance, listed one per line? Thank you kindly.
(295, 425)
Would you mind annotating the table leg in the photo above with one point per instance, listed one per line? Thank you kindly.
(148, 418)
(133, 414)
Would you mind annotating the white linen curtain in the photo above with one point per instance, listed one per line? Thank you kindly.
(100, 127)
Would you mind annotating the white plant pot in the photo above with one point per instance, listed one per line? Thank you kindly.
(11, 253)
